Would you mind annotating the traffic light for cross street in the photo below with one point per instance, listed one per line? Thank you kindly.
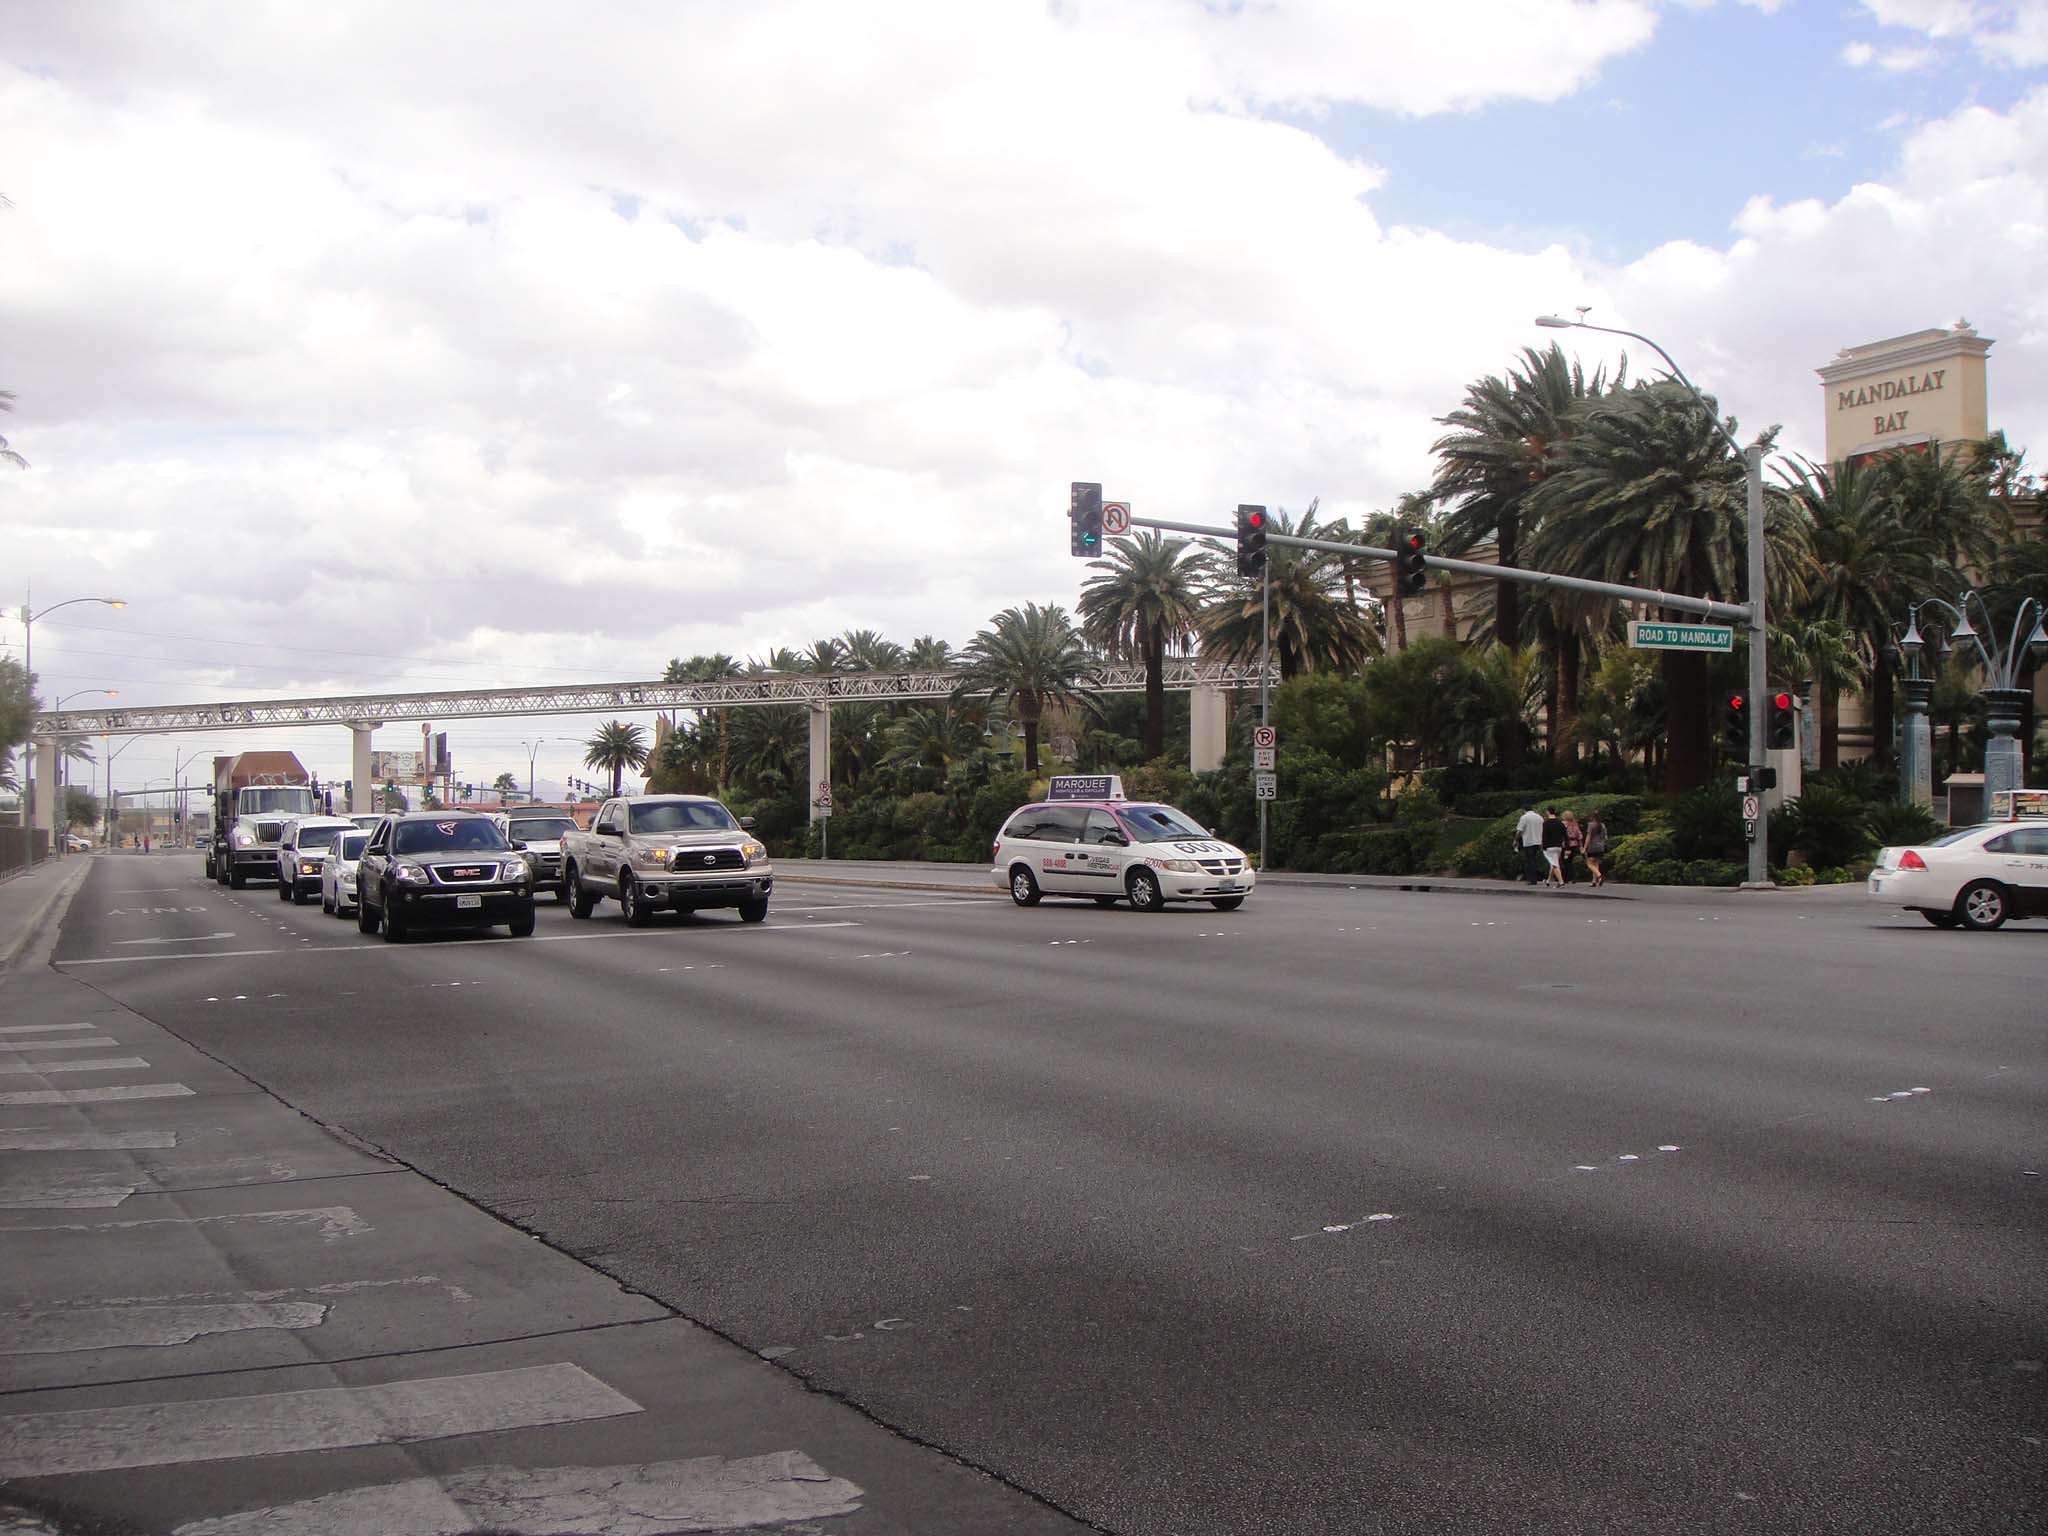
(1735, 727)
(1085, 511)
(1251, 541)
(1781, 729)
(1412, 574)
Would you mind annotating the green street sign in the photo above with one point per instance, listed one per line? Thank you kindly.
(1647, 635)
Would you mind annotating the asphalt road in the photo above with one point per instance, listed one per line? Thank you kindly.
(1350, 1211)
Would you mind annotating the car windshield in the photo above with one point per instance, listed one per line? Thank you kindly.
(351, 846)
(319, 837)
(257, 802)
(680, 816)
(462, 835)
(1158, 824)
(1961, 834)
(540, 829)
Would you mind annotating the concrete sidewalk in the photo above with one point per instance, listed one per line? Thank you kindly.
(219, 1317)
(30, 900)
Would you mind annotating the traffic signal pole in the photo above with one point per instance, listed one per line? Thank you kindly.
(1759, 674)
(1265, 669)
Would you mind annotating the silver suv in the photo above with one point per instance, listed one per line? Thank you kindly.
(539, 831)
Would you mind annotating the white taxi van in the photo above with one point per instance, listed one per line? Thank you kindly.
(1975, 877)
(1085, 839)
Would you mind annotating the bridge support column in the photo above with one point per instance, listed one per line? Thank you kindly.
(362, 793)
(821, 753)
(49, 798)
(1207, 708)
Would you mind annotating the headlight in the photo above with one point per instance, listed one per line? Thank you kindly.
(409, 874)
(756, 854)
(345, 877)
(308, 868)
(1178, 866)
(515, 871)
(243, 839)
(656, 857)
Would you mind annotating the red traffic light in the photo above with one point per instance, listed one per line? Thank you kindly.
(1414, 541)
(1781, 701)
(1255, 518)
(1736, 701)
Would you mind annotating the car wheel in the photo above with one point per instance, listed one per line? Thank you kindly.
(326, 905)
(1023, 887)
(299, 897)
(633, 904)
(1227, 903)
(1940, 919)
(394, 925)
(521, 927)
(237, 879)
(366, 915)
(285, 888)
(1145, 893)
(752, 911)
(1983, 905)
(580, 900)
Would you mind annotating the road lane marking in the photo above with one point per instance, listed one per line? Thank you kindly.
(334, 1222)
(68, 1043)
(42, 1029)
(387, 949)
(96, 1095)
(199, 938)
(702, 1493)
(84, 1141)
(70, 1330)
(280, 1423)
(46, 1068)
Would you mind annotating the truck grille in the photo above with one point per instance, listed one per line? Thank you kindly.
(269, 831)
(686, 861)
(463, 874)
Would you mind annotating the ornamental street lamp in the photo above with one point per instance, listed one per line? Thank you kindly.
(1752, 458)
(28, 665)
(2003, 696)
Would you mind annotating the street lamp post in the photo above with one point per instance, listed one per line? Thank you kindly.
(63, 836)
(28, 665)
(109, 809)
(1752, 458)
(2003, 760)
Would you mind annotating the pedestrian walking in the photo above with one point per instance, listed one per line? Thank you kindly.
(1553, 848)
(1574, 845)
(1529, 841)
(1596, 848)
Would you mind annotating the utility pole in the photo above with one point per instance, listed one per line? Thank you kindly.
(1265, 661)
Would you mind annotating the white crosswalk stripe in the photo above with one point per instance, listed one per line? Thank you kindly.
(33, 1096)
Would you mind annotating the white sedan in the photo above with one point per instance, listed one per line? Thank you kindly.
(338, 874)
(1975, 877)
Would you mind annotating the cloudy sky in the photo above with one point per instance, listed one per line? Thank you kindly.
(372, 345)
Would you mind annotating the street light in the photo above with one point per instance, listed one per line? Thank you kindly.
(2003, 696)
(109, 807)
(1753, 483)
(28, 665)
(63, 836)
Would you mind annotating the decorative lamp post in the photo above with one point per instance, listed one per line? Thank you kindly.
(1916, 743)
(2004, 698)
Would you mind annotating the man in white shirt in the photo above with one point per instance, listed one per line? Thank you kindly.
(1529, 840)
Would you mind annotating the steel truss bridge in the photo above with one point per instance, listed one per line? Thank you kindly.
(812, 690)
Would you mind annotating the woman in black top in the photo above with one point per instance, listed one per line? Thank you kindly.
(1554, 836)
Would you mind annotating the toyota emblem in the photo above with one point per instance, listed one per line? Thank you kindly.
(710, 858)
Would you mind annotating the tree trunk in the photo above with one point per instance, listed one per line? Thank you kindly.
(1155, 690)
(1568, 664)
(1397, 611)
(1881, 706)
(1546, 643)
(1028, 712)
(724, 750)
(1449, 608)
(1830, 726)
(1507, 629)
(1687, 761)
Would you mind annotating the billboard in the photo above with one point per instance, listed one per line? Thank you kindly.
(397, 767)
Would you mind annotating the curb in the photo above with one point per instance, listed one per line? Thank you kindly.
(43, 913)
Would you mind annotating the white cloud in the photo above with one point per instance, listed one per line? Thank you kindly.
(1858, 55)
(2008, 32)
(641, 338)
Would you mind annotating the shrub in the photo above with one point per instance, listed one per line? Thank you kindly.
(1803, 875)
(1895, 825)
(1707, 824)
(1861, 780)
(1688, 872)
(1627, 857)
(1830, 826)
(1491, 855)
(1397, 850)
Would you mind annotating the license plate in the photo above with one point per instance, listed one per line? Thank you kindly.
(469, 901)
(1227, 885)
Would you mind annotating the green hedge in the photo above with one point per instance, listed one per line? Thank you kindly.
(1396, 850)
(1492, 854)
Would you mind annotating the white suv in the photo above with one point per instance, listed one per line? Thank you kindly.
(1117, 850)
(301, 850)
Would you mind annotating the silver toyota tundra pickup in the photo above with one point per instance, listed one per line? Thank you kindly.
(679, 853)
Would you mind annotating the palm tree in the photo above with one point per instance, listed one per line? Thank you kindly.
(715, 668)
(1147, 597)
(771, 747)
(1945, 500)
(1828, 654)
(1031, 656)
(863, 650)
(1644, 491)
(7, 454)
(1864, 566)
(1313, 627)
(1502, 445)
(928, 653)
(505, 786)
(934, 738)
(616, 746)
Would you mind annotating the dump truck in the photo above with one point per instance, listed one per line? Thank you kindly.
(254, 795)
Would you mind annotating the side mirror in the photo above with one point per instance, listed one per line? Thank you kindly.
(746, 823)
(606, 831)
(1116, 840)
(518, 846)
